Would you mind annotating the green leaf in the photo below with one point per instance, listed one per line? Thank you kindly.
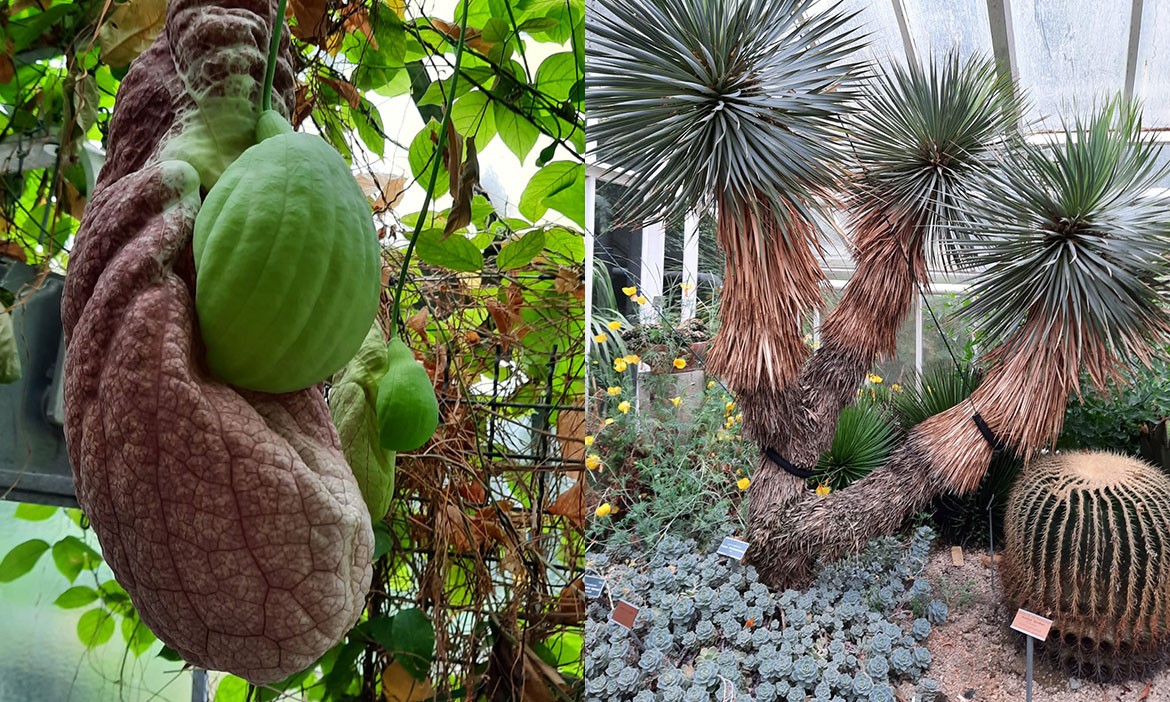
(421, 156)
(538, 24)
(382, 541)
(520, 252)
(72, 555)
(115, 598)
(557, 74)
(473, 116)
(34, 513)
(95, 627)
(137, 635)
(21, 559)
(455, 252)
(518, 133)
(559, 185)
(378, 68)
(76, 596)
(399, 85)
(169, 654)
(566, 244)
(231, 689)
(369, 127)
(413, 642)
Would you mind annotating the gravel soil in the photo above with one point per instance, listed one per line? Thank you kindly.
(978, 657)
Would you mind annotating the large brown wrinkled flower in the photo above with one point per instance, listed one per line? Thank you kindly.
(230, 517)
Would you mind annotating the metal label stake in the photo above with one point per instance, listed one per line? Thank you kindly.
(1034, 627)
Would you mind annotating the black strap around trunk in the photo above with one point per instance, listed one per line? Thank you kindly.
(786, 464)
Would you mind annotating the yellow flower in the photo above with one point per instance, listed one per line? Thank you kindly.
(631, 291)
(608, 421)
(641, 299)
(624, 407)
(676, 401)
(729, 423)
(613, 391)
(614, 325)
(633, 359)
(588, 440)
(710, 384)
(619, 365)
(601, 338)
(604, 509)
(593, 461)
(729, 407)
(823, 490)
(739, 417)
(680, 363)
(686, 287)
(875, 379)
(896, 388)
(743, 483)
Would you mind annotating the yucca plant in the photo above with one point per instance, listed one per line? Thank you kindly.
(734, 103)
(1070, 275)
(923, 145)
(940, 387)
(862, 442)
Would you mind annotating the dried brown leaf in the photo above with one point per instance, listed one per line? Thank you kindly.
(11, 249)
(460, 215)
(346, 90)
(130, 29)
(400, 686)
(571, 434)
(417, 322)
(571, 504)
(383, 190)
(311, 25)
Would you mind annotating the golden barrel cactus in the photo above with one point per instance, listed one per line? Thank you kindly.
(1088, 546)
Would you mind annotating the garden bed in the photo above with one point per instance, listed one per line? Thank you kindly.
(978, 657)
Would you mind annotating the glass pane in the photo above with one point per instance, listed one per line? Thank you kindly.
(43, 658)
(1068, 49)
(936, 27)
(955, 333)
(1152, 82)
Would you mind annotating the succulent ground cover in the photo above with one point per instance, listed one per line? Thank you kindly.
(709, 629)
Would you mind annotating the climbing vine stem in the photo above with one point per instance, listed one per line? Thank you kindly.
(438, 162)
(273, 50)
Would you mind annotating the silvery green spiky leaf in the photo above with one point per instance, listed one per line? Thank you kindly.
(1072, 251)
(926, 139)
(733, 98)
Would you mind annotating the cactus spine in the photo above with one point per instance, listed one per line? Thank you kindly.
(1088, 545)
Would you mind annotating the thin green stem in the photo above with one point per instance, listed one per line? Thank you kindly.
(434, 176)
(273, 50)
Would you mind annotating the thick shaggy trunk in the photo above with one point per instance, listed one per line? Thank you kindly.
(1022, 406)
(798, 421)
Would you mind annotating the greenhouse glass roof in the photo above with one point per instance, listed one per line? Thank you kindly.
(1065, 53)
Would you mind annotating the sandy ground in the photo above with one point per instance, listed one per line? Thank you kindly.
(978, 657)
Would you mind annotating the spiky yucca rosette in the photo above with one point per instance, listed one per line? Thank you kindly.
(1071, 277)
(923, 145)
(706, 103)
